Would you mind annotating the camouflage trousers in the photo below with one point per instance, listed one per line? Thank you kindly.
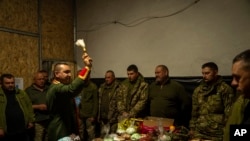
(87, 129)
(41, 131)
(198, 135)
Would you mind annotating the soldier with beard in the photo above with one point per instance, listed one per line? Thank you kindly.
(168, 98)
(133, 94)
(241, 81)
(211, 103)
(16, 113)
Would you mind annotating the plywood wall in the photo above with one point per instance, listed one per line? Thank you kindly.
(20, 53)
(57, 29)
(19, 14)
(19, 56)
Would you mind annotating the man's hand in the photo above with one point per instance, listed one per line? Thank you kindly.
(91, 119)
(30, 125)
(41, 107)
(87, 60)
(1, 133)
(125, 114)
(191, 133)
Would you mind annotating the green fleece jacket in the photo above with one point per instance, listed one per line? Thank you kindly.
(25, 104)
(61, 106)
(170, 100)
(89, 101)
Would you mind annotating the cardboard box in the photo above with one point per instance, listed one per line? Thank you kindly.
(154, 121)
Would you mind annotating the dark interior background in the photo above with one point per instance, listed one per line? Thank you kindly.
(190, 83)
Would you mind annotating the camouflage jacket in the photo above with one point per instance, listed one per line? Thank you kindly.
(238, 110)
(113, 112)
(211, 107)
(135, 101)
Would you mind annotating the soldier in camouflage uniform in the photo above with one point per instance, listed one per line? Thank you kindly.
(133, 94)
(107, 108)
(211, 103)
(241, 77)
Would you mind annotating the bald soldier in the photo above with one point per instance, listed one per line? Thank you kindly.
(37, 93)
(60, 99)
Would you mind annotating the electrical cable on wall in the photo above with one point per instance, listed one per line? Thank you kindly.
(137, 21)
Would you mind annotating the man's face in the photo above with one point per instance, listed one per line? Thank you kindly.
(64, 74)
(46, 76)
(39, 80)
(241, 78)
(132, 76)
(160, 74)
(8, 84)
(109, 78)
(209, 74)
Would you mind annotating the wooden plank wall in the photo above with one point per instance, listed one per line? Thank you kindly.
(21, 54)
